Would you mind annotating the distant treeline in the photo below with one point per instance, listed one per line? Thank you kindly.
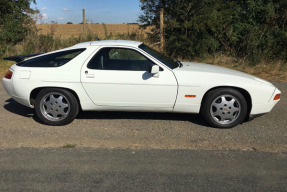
(252, 29)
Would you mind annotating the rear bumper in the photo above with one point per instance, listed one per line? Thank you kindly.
(9, 88)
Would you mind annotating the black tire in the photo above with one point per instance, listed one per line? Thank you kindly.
(55, 106)
(224, 108)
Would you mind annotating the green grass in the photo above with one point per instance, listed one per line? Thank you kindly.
(69, 146)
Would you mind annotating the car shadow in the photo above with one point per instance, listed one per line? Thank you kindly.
(193, 118)
(16, 108)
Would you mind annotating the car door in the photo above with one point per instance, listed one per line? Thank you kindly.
(120, 77)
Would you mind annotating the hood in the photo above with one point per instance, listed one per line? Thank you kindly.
(190, 70)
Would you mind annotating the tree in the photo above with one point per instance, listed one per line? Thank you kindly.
(189, 25)
(15, 20)
(255, 29)
(69, 22)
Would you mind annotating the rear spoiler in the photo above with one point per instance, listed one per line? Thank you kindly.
(21, 57)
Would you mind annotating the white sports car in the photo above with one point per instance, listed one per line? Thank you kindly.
(130, 76)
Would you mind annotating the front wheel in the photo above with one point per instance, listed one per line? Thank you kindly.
(56, 106)
(224, 108)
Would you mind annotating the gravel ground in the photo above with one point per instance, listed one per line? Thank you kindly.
(20, 128)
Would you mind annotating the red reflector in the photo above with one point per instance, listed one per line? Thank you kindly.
(8, 75)
(192, 96)
(277, 97)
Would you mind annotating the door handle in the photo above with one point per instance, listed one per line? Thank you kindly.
(90, 75)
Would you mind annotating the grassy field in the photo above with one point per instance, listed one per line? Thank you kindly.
(276, 72)
(56, 36)
(101, 30)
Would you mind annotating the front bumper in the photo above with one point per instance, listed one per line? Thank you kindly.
(262, 108)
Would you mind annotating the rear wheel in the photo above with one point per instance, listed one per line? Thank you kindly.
(56, 106)
(224, 108)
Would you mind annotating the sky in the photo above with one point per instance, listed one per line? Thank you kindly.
(97, 11)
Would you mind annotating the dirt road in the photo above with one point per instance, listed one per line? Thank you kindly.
(19, 128)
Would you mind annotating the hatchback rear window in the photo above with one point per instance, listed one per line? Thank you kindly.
(52, 60)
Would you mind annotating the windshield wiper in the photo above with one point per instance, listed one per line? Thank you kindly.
(179, 63)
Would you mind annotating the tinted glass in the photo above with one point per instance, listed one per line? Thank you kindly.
(52, 60)
(171, 63)
(120, 59)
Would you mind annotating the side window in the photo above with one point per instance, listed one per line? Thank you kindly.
(120, 59)
(125, 54)
(52, 60)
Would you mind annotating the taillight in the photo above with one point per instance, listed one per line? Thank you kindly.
(8, 74)
(277, 97)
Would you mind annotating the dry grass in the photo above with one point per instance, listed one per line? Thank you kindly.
(4, 66)
(277, 71)
(101, 30)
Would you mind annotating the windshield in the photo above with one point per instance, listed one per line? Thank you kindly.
(171, 63)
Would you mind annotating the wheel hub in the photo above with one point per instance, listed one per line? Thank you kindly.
(55, 106)
(225, 109)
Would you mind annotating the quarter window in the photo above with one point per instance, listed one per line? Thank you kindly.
(52, 60)
(120, 59)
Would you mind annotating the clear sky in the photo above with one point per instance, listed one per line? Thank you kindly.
(97, 11)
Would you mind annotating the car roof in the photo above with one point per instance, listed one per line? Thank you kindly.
(109, 43)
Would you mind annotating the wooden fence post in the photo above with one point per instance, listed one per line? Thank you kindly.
(84, 21)
(162, 29)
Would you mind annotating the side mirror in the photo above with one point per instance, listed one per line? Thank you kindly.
(155, 70)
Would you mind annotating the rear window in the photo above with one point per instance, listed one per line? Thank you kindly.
(52, 60)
